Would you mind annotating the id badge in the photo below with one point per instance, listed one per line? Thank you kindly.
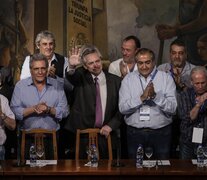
(145, 113)
(197, 135)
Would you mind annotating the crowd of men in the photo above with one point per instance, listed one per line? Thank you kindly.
(162, 107)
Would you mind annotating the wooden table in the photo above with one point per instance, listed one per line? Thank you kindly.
(71, 169)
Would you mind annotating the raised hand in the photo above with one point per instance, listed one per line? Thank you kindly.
(201, 99)
(123, 68)
(149, 92)
(51, 71)
(74, 57)
(177, 75)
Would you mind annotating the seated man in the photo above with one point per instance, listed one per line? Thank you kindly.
(39, 101)
(6, 119)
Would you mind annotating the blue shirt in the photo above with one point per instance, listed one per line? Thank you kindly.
(162, 107)
(26, 95)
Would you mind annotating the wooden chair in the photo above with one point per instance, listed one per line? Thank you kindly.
(38, 137)
(93, 139)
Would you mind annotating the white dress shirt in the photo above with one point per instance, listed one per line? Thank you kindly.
(25, 72)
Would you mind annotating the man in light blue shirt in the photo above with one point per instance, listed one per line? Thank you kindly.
(39, 101)
(147, 98)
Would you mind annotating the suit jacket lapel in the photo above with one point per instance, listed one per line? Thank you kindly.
(109, 84)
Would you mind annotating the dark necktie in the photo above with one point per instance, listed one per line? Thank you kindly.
(98, 122)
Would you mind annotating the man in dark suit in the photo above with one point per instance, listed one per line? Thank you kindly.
(83, 112)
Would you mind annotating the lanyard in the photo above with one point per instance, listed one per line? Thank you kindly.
(153, 76)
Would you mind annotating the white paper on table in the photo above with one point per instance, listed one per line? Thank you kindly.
(194, 161)
(164, 162)
(160, 162)
(147, 162)
(45, 162)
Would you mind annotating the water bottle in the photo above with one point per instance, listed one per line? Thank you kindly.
(200, 156)
(94, 156)
(32, 156)
(139, 156)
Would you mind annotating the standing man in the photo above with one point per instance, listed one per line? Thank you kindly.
(147, 98)
(45, 44)
(179, 68)
(39, 101)
(121, 68)
(84, 113)
(192, 112)
(126, 64)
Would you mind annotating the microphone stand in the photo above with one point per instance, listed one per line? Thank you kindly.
(19, 163)
(117, 162)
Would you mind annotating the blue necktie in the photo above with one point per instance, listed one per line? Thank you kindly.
(98, 121)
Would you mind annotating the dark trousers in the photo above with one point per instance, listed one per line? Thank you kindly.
(188, 150)
(158, 139)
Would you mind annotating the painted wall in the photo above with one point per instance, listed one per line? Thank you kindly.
(138, 17)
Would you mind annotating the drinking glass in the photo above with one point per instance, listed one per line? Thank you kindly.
(40, 153)
(205, 155)
(149, 153)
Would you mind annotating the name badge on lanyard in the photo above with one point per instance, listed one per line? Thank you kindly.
(144, 113)
(197, 135)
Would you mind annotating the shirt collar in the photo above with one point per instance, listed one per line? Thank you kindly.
(54, 58)
(30, 81)
(151, 74)
(100, 76)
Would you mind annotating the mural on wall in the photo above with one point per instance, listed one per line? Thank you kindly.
(138, 17)
(157, 23)
(192, 24)
(14, 34)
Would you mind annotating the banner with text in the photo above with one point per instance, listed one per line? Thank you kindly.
(79, 22)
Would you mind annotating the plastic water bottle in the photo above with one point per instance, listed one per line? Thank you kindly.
(94, 156)
(200, 156)
(32, 156)
(139, 156)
